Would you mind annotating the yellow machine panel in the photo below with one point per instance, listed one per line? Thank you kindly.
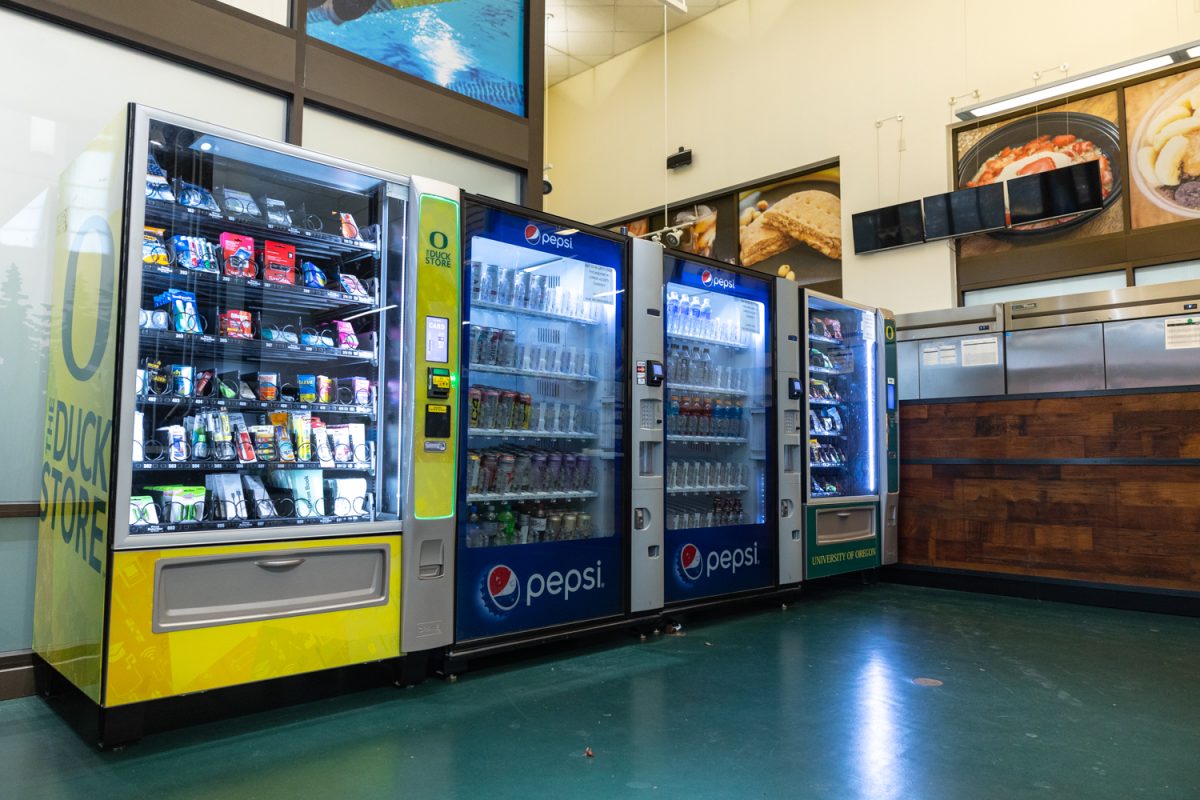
(166, 639)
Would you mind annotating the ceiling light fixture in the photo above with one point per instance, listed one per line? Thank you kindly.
(1068, 86)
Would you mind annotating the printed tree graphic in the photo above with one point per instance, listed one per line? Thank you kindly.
(15, 328)
(24, 336)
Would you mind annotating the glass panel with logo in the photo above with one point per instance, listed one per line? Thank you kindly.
(842, 399)
(718, 402)
(256, 392)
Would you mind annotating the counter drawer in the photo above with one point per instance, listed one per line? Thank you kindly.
(836, 525)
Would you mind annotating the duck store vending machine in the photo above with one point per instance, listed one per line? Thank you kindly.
(236, 430)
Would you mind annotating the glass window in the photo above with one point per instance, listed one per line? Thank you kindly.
(366, 144)
(18, 556)
(41, 132)
(473, 47)
(1167, 273)
(1062, 286)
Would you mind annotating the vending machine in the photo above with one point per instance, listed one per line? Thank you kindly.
(239, 421)
(849, 417)
(543, 514)
(720, 486)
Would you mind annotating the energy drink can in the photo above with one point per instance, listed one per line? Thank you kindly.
(537, 292)
(521, 412)
(583, 473)
(583, 526)
(520, 291)
(495, 339)
(480, 336)
(474, 406)
(523, 478)
(507, 349)
(537, 480)
(570, 524)
(554, 527)
(476, 278)
(553, 472)
(504, 411)
(506, 473)
(474, 467)
(504, 286)
(488, 280)
(567, 480)
(487, 414)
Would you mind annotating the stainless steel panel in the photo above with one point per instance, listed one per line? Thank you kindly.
(1131, 302)
(962, 377)
(891, 529)
(1055, 360)
(647, 523)
(220, 590)
(1136, 355)
(836, 525)
(790, 445)
(908, 362)
(950, 322)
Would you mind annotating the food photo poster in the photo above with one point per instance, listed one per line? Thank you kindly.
(1164, 149)
(794, 227)
(1051, 138)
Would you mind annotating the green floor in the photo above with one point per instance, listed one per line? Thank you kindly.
(1037, 700)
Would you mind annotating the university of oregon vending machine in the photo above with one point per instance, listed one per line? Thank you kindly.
(252, 395)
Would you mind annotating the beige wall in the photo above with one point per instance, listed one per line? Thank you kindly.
(763, 86)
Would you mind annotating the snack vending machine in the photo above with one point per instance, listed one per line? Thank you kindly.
(542, 524)
(230, 436)
(847, 434)
(719, 473)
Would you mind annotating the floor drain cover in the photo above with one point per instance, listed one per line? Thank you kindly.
(927, 682)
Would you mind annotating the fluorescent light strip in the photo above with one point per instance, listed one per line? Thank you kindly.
(1073, 85)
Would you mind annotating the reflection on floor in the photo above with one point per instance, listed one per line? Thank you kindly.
(815, 701)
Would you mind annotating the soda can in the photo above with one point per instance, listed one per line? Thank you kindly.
(504, 411)
(480, 335)
(583, 473)
(523, 478)
(488, 284)
(504, 286)
(537, 479)
(520, 290)
(506, 473)
(474, 467)
(553, 472)
(570, 523)
(474, 406)
(569, 473)
(487, 472)
(554, 528)
(506, 351)
(487, 412)
(583, 526)
(537, 293)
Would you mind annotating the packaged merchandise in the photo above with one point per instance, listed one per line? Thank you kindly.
(264, 442)
(277, 211)
(346, 338)
(239, 203)
(237, 324)
(154, 249)
(142, 510)
(267, 385)
(279, 262)
(157, 379)
(237, 255)
(275, 333)
(284, 442)
(354, 391)
(157, 188)
(312, 275)
(179, 503)
(301, 424)
(244, 443)
(321, 445)
(229, 499)
(343, 447)
(139, 434)
(308, 388)
(311, 337)
(306, 488)
(349, 226)
(259, 498)
(360, 447)
(324, 389)
(153, 167)
(194, 196)
(346, 497)
(351, 285)
(153, 320)
(182, 382)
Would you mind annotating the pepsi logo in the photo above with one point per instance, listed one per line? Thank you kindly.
(532, 234)
(706, 277)
(691, 564)
(502, 588)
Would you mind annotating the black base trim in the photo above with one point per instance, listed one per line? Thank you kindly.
(456, 658)
(1107, 595)
(16, 674)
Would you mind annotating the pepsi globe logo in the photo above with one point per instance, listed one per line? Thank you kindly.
(710, 279)
(691, 564)
(706, 277)
(532, 234)
(502, 588)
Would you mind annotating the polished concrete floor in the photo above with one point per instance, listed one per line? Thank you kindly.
(818, 700)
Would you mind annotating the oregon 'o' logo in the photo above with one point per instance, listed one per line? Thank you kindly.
(438, 240)
(95, 226)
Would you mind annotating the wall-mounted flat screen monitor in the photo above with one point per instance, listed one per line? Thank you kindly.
(975, 210)
(888, 228)
(1056, 193)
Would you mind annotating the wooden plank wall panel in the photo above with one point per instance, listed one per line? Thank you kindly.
(1134, 523)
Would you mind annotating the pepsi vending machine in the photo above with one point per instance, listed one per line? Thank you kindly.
(720, 466)
(542, 546)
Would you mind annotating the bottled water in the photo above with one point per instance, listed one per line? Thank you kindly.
(672, 311)
(705, 319)
(706, 367)
(683, 367)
